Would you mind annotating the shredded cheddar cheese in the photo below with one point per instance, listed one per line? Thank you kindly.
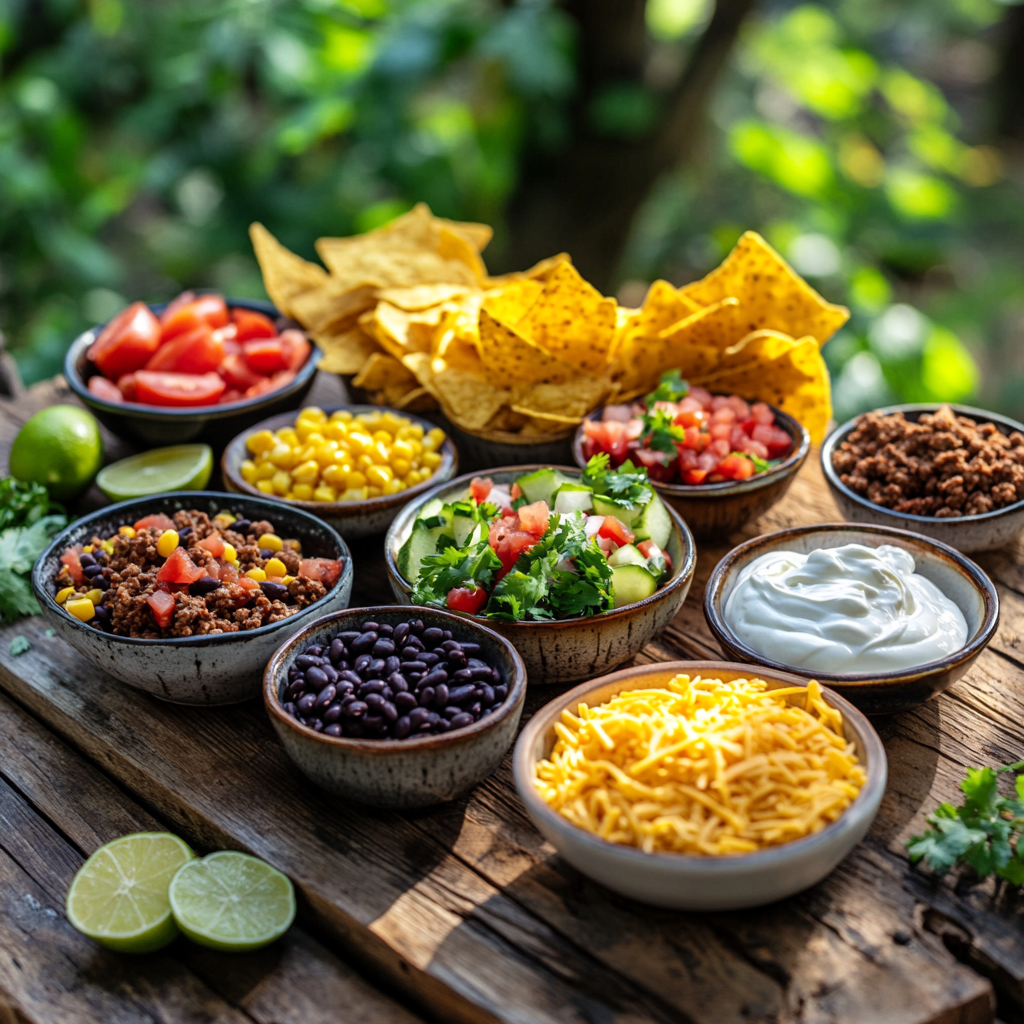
(702, 767)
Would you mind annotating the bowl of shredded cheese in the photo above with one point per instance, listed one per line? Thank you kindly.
(701, 785)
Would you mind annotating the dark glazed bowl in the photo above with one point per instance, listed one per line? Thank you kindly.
(415, 772)
(717, 510)
(965, 533)
(481, 450)
(874, 693)
(565, 650)
(158, 425)
(681, 881)
(351, 519)
(221, 669)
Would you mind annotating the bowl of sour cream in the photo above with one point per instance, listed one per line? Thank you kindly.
(885, 617)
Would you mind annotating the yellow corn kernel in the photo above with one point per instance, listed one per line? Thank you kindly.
(287, 580)
(167, 543)
(336, 430)
(63, 595)
(302, 492)
(306, 472)
(87, 550)
(325, 493)
(431, 460)
(257, 574)
(315, 438)
(264, 471)
(382, 435)
(303, 428)
(83, 609)
(230, 553)
(402, 449)
(226, 517)
(325, 453)
(264, 486)
(287, 435)
(283, 456)
(434, 439)
(356, 479)
(378, 476)
(282, 481)
(336, 476)
(341, 416)
(275, 567)
(394, 487)
(248, 470)
(374, 492)
(417, 448)
(354, 494)
(261, 441)
(400, 467)
(359, 441)
(380, 453)
(128, 531)
(392, 423)
(95, 595)
(363, 462)
(270, 542)
(412, 432)
(314, 414)
(108, 546)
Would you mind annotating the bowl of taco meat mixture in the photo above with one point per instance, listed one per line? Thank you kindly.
(187, 595)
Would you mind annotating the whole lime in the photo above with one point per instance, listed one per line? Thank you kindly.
(59, 448)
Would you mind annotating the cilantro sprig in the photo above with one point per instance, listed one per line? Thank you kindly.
(670, 388)
(984, 832)
(660, 433)
(471, 566)
(627, 487)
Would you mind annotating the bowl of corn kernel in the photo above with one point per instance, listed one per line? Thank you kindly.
(353, 466)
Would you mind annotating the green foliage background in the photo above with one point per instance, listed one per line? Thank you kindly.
(138, 141)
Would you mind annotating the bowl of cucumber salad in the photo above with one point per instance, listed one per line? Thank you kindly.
(578, 568)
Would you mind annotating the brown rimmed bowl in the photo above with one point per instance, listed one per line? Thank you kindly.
(874, 693)
(224, 668)
(158, 425)
(350, 518)
(717, 510)
(681, 881)
(965, 533)
(495, 448)
(415, 772)
(565, 650)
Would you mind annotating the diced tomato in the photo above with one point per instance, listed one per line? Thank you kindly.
(105, 389)
(708, 460)
(250, 324)
(509, 542)
(265, 355)
(480, 487)
(720, 447)
(296, 348)
(516, 491)
(175, 304)
(199, 351)
(752, 447)
(701, 395)
(647, 548)
(214, 544)
(205, 309)
(659, 466)
(326, 570)
(268, 384)
(720, 430)
(691, 418)
(735, 467)
(178, 389)
(161, 603)
(126, 385)
(227, 573)
(762, 413)
(231, 395)
(179, 568)
(615, 530)
(156, 521)
(127, 342)
(534, 518)
(466, 599)
(247, 584)
(775, 439)
(236, 373)
(694, 476)
(73, 562)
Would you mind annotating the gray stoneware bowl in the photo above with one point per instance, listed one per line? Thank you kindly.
(222, 669)
(503, 448)
(566, 650)
(965, 533)
(351, 519)
(717, 510)
(416, 772)
(680, 881)
(874, 693)
(156, 425)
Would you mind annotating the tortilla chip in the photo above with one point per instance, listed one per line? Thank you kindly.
(564, 403)
(421, 296)
(773, 295)
(467, 399)
(346, 352)
(330, 310)
(538, 272)
(417, 400)
(382, 371)
(508, 356)
(510, 303)
(453, 246)
(285, 275)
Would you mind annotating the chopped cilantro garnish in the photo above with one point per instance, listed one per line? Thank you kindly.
(660, 433)
(475, 565)
(628, 486)
(760, 465)
(670, 388)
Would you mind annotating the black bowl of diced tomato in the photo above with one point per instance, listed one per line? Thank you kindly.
(718, 460)
(198, 368)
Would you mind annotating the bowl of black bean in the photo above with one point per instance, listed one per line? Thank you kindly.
(395, 706)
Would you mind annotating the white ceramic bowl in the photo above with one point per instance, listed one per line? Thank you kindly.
(682, 882)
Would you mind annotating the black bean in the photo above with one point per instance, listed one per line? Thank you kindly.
(352, 727)
(376, 668)
(361, 662)
(332, 730)
(266, 554)
(305, 703)
(274, 591)
(413, 666)
(480, 673)
(333, 713)
(315, 649)
(349, 676)
(429, 658)
(495, 676)
(306, 660)
(373, 723)
(392, 664)
(450, 645)
(470, 650)
(363, 642)
(486, 712)
(316, 678)
(102, 613)
(397, 682)
(100, 583)
(462, 719)
(475, 708)
(456, 659)
(297, 688)
(402, 728)
(405, 701)
(241, 526)
(418, 716)
(370, 686)
(433, 636)
(347, 636)
(433, 718)
(387, 693)
(325, 697)
(500, 693)
(338, 650)
(487, 697)
(383, 648)
(354, 710)
(415, 641)
(349, 698)
(183, 534)
(289, 708)
(416, 626)
(425, 728)
(400, 633)
(477, 663)
(385, 630)
(451, 711)
(369, 627)
(462, 676)
(374, 702)
(461, 694)
(426, 696)
(331, 672)
(389, 711)
(92, 570)
(410, 653)
(316, 725)
(435, 676)
(440, 695)
(448, 634)
(85, 559)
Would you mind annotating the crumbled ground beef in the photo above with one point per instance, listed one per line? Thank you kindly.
(943, 465)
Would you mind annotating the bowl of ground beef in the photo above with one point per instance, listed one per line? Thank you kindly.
(187, 595)
(950, 472)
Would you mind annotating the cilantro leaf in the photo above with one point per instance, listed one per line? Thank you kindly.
(475, 565)
(27, 523)
(627, 487)
(19, 645)
(660, 433)
(670, 388)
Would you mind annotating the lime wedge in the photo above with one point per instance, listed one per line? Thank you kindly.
(231, 901)
(182, 467)
(119, 896)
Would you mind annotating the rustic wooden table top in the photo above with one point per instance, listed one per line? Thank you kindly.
(463, 913)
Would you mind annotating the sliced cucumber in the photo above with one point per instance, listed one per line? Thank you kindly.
(431, 508)
(604, 507)
(572, 497)
(422, 542)
(627, 555)
(540, 485)
(654, 523)
(463, 527)
(631, 583)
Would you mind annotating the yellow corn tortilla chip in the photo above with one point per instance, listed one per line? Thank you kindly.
(346, 352)
(330, 310)
(566, 403)
(419, 399)
(398, 331)
(538, 272)
(415, 297)
(772, 294)
(285, 275)
(510, 303)
(467, 399)
(381, 371)
(457, 351)
(508, 356)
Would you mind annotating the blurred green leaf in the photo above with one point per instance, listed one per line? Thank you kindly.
(919, 196)
(796, 162)
(948, 371)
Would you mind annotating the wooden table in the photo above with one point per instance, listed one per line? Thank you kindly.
(462, 913)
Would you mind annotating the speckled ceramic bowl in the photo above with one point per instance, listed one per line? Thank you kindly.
(351, 519)
(157, 425)
(481, 450)
(874, 693)
(682, 882)
(221, 669)
(717, 510)
(965, 533)
(566, 650)
(415, 772)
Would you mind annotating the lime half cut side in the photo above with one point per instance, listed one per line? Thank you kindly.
(182, 467)
(119, 896)
(231, 901)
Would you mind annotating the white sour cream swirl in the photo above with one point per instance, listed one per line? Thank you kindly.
(850, 609)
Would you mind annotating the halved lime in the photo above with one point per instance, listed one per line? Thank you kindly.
(119, 896)
(231, 901)
(182, 467)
